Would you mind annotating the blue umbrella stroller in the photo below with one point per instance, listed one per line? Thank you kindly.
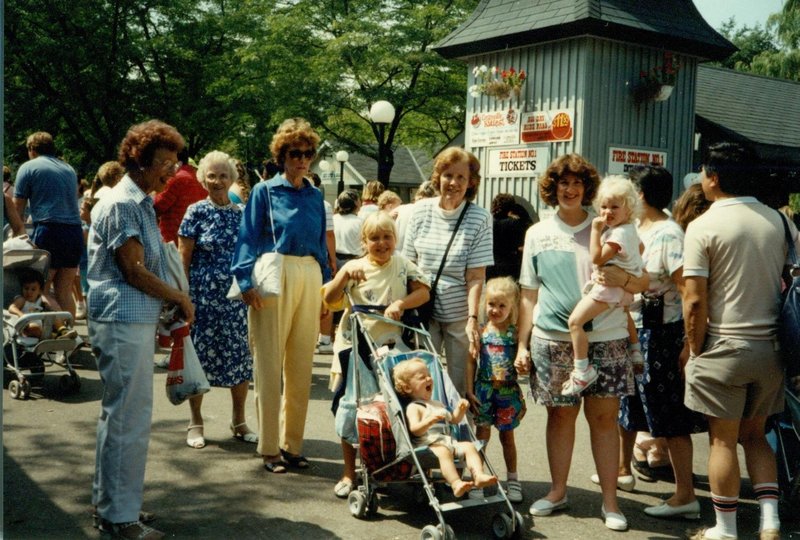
(26, 357)
(784, 437)
(384, 461)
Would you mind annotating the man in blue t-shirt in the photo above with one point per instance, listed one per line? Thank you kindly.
(51, 187)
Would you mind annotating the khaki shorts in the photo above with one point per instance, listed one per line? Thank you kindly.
(735, 378)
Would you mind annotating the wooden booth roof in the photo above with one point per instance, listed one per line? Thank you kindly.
(500, 24)
(761, 111)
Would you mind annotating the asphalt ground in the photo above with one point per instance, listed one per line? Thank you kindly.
(222, 491)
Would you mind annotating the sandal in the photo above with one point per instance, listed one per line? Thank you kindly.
(343, 488)
(275, 467)
(295, 460)
(195, 442)
(144, 517)
(248, 436)
(514, 491)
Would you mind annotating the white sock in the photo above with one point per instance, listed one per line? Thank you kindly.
(767, 496)
(725, 512)
(512, 476)
(581, 364)
(324, 340)
(635, 346)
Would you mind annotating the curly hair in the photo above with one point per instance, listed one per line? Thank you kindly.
(42, 143)
(621, 188)
(243, 178)
(568, 164)
(290, 133)
(389, 198)
(424, 191)
(450, 157)
(401, 375)
(212, 158)
(501, 204)
(142, 140)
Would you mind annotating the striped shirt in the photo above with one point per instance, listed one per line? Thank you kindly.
(429, 230)
(126, 212)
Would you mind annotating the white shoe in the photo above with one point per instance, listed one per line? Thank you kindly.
(686, 511)
(163, 363)
(543, 507)
(579, 381)
(637, 361)
(80, 311)
(324, 348)
(625, 483)
(613, 520)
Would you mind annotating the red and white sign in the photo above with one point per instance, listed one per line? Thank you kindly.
(621, 160)
(521, 161)
(548, 126)
(496, 128)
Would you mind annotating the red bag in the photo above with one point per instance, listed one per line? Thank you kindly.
(376, 442)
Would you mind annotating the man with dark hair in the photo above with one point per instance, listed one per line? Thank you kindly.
(182, 190)
(734, 255)
(51, 186)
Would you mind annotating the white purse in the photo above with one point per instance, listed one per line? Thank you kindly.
(268, 271)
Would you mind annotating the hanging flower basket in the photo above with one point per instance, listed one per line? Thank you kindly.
(657, 83)
(488, 83)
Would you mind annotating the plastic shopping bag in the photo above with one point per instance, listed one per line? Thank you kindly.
(185, 376)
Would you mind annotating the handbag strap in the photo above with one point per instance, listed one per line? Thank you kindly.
(450, 243)
(788, 236)
(271, 222)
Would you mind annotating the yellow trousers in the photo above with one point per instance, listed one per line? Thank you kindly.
(283, 334)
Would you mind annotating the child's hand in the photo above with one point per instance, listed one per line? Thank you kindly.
(474, 402)
(522, 362)
(394, 311)
(463, 405)
(355, 270)
(598, 223)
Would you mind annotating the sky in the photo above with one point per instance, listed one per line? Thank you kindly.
(746, 12)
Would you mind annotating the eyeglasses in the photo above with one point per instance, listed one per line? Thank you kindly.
(297, 154)
(168, 166)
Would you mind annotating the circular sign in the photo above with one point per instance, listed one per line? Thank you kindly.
(561, 127)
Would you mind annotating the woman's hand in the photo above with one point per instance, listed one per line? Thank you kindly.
(473, 336)
(253, 299)
(394, 311)
(611, 276)
(474, 402)
(522, 362)
(186, 307)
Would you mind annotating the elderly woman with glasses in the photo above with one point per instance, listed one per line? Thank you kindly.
(286, 214)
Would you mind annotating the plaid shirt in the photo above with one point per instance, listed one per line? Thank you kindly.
(125, 212)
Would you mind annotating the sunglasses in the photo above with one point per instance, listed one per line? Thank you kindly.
(297, 154)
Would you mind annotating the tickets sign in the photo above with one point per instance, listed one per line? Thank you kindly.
(548, 126)
(497, 128)
(621, 160)
(522, 161)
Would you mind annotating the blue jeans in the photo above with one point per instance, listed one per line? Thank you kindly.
(124, 353)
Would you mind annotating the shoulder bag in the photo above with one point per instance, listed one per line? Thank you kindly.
(425, 311)
(268, 270)
(789, 318)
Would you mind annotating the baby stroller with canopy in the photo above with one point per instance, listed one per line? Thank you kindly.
(25, 357)
(784, 437)
(386, 452)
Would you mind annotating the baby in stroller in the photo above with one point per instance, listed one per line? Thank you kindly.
(425, 417)
(32, 301)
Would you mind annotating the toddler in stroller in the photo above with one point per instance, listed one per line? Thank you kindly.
(32, 301)
(425, 418)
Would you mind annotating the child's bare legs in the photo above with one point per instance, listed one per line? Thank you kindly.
(509, 450)
(449, 471)
(349, 455)
(475, 465)
(634, 348)
(32, 330)
(582, 374)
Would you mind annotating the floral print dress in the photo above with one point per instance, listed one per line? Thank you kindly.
(219, 332)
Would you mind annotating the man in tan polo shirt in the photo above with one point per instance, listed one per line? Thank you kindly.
(734, 255)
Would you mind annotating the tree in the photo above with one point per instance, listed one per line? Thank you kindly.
(356, 52)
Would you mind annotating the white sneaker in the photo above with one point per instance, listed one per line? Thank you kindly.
(80, 311)
(637, 361)
(579, 381)
(163, 362)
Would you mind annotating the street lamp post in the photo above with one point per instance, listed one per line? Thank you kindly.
(341, 157)
(382, 113)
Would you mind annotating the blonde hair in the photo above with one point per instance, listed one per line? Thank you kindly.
(212, 158)
(377, 222)
(507, 288)
(388, 198)
(371, 191)
(619, 187)
(402, 373)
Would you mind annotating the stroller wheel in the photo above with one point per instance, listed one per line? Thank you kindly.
(25, 388)
(357, 502)
(431, 532)
(372, 507)
(502, 526)
(14, 389)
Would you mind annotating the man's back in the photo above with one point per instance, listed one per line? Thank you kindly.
(51, 188)
(739, 243)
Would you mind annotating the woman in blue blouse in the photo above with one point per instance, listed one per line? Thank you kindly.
(283, 330)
